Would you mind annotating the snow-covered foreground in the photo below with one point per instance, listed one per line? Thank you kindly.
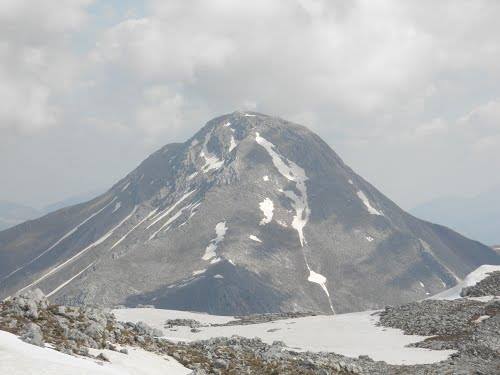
(351, 334)
(18, 357)
(471, 279)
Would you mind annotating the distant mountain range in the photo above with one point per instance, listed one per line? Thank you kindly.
(12, 213)
(251, 214)
(477, 217)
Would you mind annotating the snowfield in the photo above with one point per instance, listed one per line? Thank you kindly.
(471, 279)
(351, 334)
(20, 358)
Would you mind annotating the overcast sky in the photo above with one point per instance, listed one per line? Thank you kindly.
(407, 92)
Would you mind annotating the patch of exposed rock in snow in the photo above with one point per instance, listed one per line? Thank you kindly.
(350, 334)
(117, 207)
(220, 232)
(471, 279)
(20, 358)
(267, 208)
(254, 238)
(372, 210)
(291, 172)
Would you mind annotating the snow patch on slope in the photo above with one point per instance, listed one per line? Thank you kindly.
(291, 172)
(267, 208)
(92, 245)
(372, 210)
(175, 217)
(211, 161)
(133, 228)
(319, 279)
(70, 280)
(220, 232)
(471, 279)
(254, 238)
(232, 144)
(117, 207)
(20, 358)
(68, 234)
(167, 211)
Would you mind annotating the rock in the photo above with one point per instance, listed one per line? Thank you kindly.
(95, 330)
(103, 357)
(33, 335)
(191, 323)
(221, 363)
(124, 351)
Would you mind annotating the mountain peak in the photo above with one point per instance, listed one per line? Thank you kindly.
(251, 214)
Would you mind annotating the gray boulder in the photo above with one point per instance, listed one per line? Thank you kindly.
(33, 335)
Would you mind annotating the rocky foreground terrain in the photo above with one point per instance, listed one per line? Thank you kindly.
(469, 326)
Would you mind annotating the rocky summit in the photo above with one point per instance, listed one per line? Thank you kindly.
(253, 214)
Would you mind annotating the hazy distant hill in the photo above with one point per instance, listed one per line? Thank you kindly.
(477, 217)
(13, 213)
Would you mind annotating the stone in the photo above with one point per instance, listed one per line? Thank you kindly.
(33, 335)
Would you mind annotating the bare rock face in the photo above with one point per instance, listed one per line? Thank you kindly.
(253, 214)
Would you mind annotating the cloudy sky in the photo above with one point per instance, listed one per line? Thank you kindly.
(405, 91)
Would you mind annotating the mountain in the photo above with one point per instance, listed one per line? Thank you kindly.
(252, 214)
(477, 217)
(13, 213)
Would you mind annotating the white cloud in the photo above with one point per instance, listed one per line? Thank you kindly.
(407, 85)
(160, 109)
(37, 61)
